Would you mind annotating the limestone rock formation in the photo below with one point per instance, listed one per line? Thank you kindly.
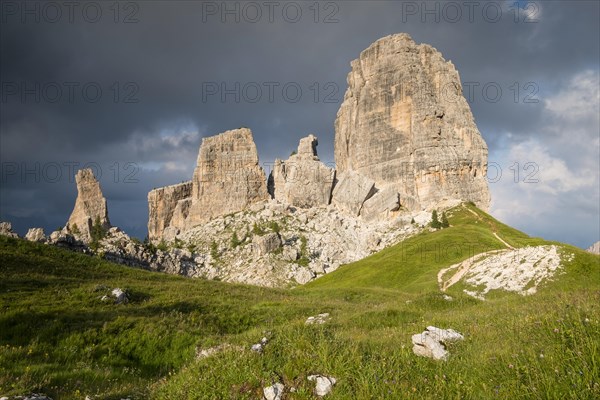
(352, 191)
(90, 206)
(405, 124)
(381, 204)
(302, 180)
(595, 248)
(227, 177)
(6, 230)
(36, 235)
(165, 209)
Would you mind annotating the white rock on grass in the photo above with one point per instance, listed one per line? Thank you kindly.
(317, 320)
(324, 384)
(120, 296)
(431, 342)
(274, 392)
(259, 347)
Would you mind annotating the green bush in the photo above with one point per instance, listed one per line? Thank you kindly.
(235, 241)
(214, 250)
(274, 226)
(258, 229)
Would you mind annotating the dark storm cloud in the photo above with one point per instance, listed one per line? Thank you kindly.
(166, 64)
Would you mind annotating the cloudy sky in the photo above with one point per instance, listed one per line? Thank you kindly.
(130, 89)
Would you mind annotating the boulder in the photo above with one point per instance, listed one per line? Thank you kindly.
(36, 235)
(324, 384)
(274, 392)
(405, 124)
(90, 207)
(318, 319)
(303, 275)
(431, 342)
(290, 253)
(302, 180)
(120, 296)
(266, 244)
(351, 192)
(381, 204)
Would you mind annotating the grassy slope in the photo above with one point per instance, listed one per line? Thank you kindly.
(57, 337)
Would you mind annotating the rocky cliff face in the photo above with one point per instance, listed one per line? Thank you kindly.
(595, 248)
(162, 206)
(90, 206)
(405, 124)
(227, 177)
(302, 180)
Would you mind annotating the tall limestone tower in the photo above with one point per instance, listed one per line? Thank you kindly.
(405, 124)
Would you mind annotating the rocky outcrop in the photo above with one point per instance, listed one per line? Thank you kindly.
(90, 206)
(36, 235)
(405, 124)
(302, 180)
(6, 230)
(351, 192)
(595, 248)
(227, 177)
(167, 207)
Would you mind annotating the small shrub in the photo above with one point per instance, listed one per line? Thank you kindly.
(235, 241)
(214, 250)
(258, 229)
(162, 246)
(274, 227)
(75, 230)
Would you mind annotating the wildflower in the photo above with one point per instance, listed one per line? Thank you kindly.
(511, 366)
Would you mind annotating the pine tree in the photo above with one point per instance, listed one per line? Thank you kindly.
(435, 223)
(445, 223)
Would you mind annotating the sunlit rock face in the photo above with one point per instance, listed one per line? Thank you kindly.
(90, 206)
(302, 180)
(405, 124)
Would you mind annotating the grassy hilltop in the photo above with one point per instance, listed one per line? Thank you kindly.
(57, 337)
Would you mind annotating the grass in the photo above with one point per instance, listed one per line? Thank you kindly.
(57, 337)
